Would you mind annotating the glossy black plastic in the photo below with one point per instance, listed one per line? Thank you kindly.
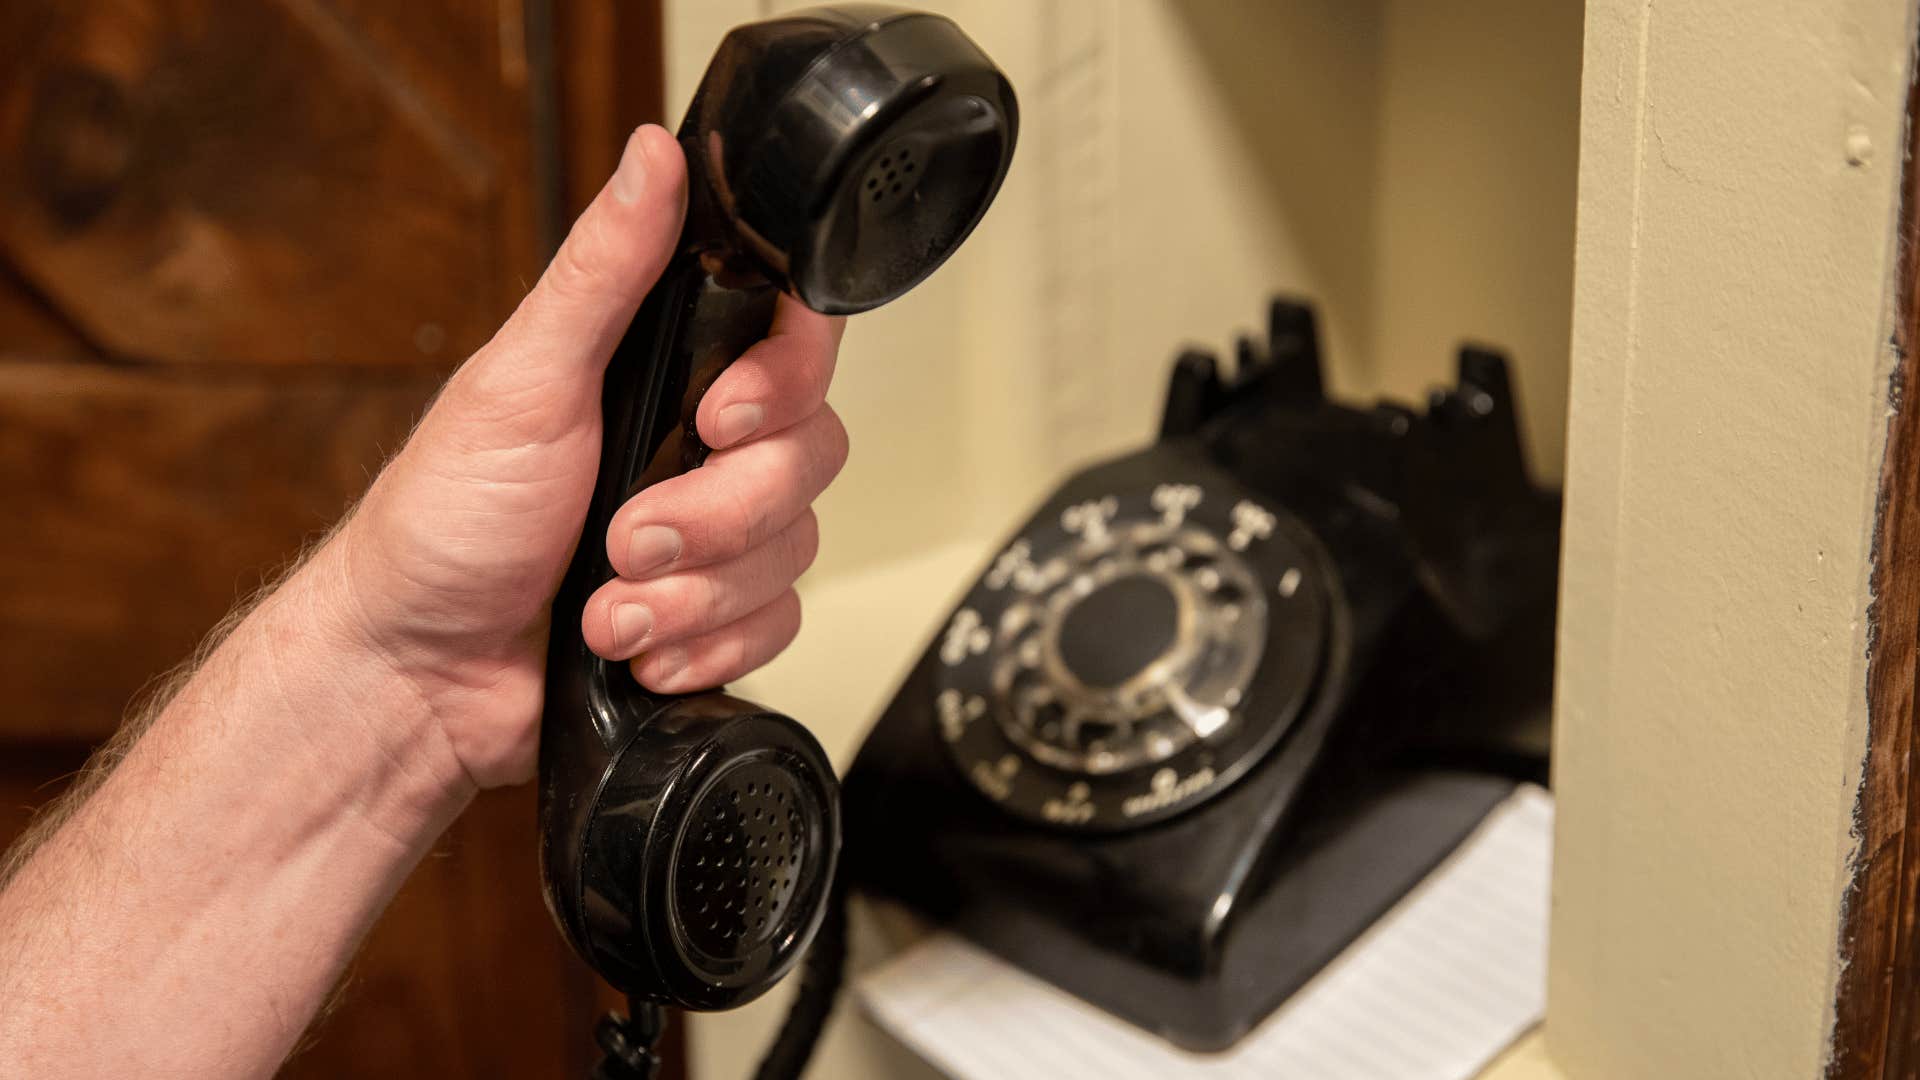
(1438, 563)
(839, 154)
(845, 152)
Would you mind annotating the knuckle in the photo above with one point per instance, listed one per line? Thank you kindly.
(712, 518)
(738, 648)
(595, 260)
(580, 264)
(803, 544)
(706, 601)
(785, 624)
(836, 443)
(703, 538)
(676, 603)
(813, 368)
(826, 451)
(737, 522)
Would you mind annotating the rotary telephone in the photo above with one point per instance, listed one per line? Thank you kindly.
(1221, 702)
(1211, 711)
(688, 843)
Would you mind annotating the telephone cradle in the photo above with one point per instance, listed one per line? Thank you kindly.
(1221, 702)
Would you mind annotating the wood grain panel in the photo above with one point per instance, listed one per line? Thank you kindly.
(144, 503)
(194, 181)
(604, 94)
(469, 63)
(29, 328)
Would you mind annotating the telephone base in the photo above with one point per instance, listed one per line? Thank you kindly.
(1321, 899)
(1349, 854)
(1185, 841)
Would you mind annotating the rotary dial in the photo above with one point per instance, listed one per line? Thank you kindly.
(1124, 656)
(1131, 654)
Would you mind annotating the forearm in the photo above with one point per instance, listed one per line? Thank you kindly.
(192, 915)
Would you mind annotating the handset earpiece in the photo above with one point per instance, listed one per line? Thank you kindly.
(840, 155)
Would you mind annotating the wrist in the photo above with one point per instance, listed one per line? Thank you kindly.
(468, 648)
(358, 710)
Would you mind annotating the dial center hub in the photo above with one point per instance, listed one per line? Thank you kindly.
(1115, 632)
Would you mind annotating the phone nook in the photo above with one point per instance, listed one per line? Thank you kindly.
(839, 154)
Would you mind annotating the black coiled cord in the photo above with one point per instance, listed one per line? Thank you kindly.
(627, 1041)
(821, 973)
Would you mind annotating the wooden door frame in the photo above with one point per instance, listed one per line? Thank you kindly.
(1877, 1013)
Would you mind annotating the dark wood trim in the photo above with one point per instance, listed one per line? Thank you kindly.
(1877, 1023)
(612, 80)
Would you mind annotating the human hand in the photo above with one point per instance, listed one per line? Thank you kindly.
(448, 566)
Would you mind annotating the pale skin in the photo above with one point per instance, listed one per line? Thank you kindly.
(192, 913)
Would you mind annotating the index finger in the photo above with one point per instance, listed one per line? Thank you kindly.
(778, 382)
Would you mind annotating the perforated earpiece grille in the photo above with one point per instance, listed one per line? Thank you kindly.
(742, 858)
(892, 177)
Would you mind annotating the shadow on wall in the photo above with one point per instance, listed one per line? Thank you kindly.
(1300, 85)
(1424, 159)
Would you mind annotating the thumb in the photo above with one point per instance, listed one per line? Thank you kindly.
(544, 364)
(487, 493)
(615, 252)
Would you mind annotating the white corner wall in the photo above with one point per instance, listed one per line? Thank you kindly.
(1739, 165)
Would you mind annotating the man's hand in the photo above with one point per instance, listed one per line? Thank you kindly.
(450, 563)
(224, 869)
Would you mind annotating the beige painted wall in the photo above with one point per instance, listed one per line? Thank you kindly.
(1179, 161)
(1474, 213)
(1738, 172)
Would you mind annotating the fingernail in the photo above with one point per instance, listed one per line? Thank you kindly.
(630, 179)
(650, 547)
(631, 625)
(664, 666)
(736, 422)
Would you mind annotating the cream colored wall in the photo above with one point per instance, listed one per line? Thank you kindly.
(1738, 174)
(1409, 168)
(1179, 161)
(1474, 212)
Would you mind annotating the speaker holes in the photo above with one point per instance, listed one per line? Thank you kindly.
(740, 858)
(891, 178)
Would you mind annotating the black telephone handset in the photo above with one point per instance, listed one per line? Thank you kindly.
(839, 154)
(1221, 701)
